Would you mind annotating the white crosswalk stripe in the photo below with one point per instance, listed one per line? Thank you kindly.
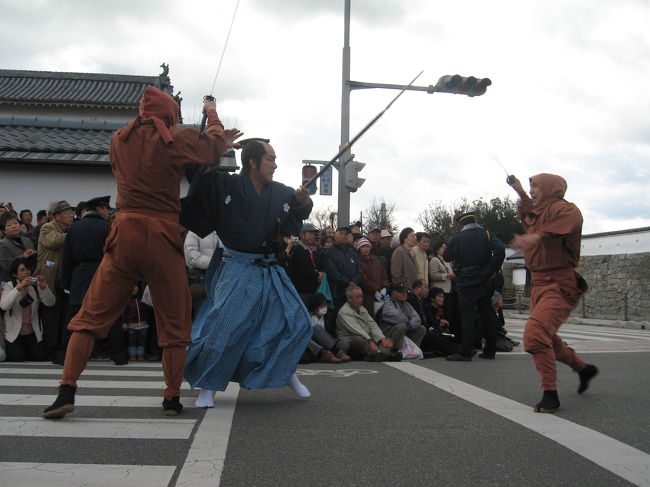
(139, 399)
(575, 336)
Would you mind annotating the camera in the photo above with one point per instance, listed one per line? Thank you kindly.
(33, 280)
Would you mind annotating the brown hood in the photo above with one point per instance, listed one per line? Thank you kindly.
(552, 187)
(160, 108)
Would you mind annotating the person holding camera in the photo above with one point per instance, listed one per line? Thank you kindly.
(20, 299)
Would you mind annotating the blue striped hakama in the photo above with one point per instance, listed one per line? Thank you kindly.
(253, 327)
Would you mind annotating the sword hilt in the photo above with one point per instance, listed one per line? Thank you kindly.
(205, 114)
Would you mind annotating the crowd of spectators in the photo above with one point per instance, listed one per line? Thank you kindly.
(371, 296)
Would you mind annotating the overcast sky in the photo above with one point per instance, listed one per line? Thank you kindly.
(570, 92)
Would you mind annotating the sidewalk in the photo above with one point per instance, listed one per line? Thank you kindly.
(576, 320)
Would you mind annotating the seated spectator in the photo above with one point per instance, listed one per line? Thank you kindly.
(403, 267)
(20, 299)
(435, 343)
(374, 276)
(13, 245)
(398, 318)
(323, 346)
(26, 221)
(354, 325)
(504, 343)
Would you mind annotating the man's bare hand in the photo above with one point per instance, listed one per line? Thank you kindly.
(232, 135)
(525, 242)
(302, 196)
(386, 342)
(516, 185)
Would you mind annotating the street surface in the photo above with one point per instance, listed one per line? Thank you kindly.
(414, 423)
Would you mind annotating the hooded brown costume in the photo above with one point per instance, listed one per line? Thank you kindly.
(557, 286)
(145, 242)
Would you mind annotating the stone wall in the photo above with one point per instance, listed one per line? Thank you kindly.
(616, 282)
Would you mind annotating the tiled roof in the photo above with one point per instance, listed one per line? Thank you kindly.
(51, 88)
(54, 141)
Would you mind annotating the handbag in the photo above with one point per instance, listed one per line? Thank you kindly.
(324, 289)
(410, 351)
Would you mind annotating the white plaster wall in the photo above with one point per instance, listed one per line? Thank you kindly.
(631, 243)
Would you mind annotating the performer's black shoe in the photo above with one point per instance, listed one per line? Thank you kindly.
(63, 404)
(489, 356)
(586, 374)
(549, 403)
(457, 357)
(173, 407)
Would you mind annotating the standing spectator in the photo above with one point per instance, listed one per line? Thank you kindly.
(355, 229)
(13, 245)
(41, 219)
(50, 253)
(386, 252)
(403, 267)
(374, 277)
(26, 217)
(341, 264)
(399, 319)
(354, 324)
(83, 250)
(135, 324)
(476, 254)
(20, 299)
(198, 254)
(305, 264)
(422, 245)
(329, 232)
(440, 276)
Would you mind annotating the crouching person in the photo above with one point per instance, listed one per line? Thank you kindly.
(397, 318)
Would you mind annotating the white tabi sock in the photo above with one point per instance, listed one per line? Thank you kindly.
(298, 387)
(205, 399)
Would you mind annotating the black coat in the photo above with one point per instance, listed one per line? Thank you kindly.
(475, 254)
(341, 264)
(83, 250)
(302, 271)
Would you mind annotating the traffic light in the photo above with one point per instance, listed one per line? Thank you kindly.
(352, 179)
(309, 172)
(461, 85)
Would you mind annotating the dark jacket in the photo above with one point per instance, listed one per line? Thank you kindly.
(374, 279)
(341, 264)
(303, 271)
(82, 252)
(475, 254)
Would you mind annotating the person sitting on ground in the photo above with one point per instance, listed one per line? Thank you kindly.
(20, 301)
(374, 276)
(354, 324)
(13, 245)
(324, 346)
(398, 318)
(504, 343)
(434, 343)
(135, 324)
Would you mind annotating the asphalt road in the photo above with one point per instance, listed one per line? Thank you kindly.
(367, 424)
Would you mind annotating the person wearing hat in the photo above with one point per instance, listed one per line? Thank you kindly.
(83, 251)
(305, 263)
(399, 319)
(551, 248)
(50, 251)
(148, 158)
(341, 264)
(374, 276)
(475, 255)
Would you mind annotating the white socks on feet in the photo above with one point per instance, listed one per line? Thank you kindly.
(205, 399)
(298, 387)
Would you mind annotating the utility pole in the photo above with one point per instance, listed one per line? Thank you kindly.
(344, 193)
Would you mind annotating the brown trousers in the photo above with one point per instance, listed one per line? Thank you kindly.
(141, 246)
(555, 294)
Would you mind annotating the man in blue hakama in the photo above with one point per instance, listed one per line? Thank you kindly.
(253, 327)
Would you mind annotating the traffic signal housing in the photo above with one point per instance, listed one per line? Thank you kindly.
(352, 179)
(460, 85)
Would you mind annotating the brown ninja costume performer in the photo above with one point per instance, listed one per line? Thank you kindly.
(552, 251)
(145, 243)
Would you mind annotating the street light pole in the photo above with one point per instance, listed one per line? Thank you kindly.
(344, 193)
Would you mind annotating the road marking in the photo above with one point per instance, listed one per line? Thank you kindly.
(617, 457)
(71, 474)
(81, 400)
(336, 372)
(94, 372)
(164, 429)
(204, 462)
(96, 384)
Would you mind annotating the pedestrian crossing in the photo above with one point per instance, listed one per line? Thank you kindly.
(99, 444)
(576, 336)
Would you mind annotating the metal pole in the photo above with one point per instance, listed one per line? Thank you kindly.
(344, 194)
